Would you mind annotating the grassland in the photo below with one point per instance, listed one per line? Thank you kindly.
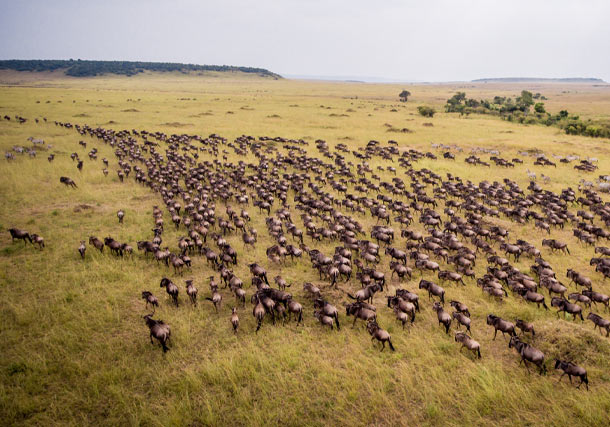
(76, 351)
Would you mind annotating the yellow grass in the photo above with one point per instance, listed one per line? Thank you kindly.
(76, 350)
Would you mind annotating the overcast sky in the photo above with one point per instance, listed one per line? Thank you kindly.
(404, 40)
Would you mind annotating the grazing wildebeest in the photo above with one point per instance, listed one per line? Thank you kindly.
(20, 234)
(68, 182)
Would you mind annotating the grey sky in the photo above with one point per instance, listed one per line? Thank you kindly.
(405, 40)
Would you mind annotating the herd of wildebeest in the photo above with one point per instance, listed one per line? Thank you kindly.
(328, 193)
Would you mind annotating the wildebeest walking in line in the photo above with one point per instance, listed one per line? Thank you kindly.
(572, 370)
(528, 354)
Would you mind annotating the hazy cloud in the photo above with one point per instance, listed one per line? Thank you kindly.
(409, 40)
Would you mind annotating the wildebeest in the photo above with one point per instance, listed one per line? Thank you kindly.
(379, 334)
(234, 320)
(37, 240)
(468, 342)
(68, 182)
(20, 234)
(528, 354)
(566, 306)
(191, 291)
(600, 323)
(327, 309)
(596, 297)
(462, 319)
(361, 310)
(115, 247)
(96, 243)
(572, 370)
(150, 299)
(404, 306)
(323, 318)
(443, 317)
(501, 325)
(556, 245)
(170, 288)
(525, 326)
(82, 248)
(296, 308)
(159, 330)
(460, 307)
(433, 289)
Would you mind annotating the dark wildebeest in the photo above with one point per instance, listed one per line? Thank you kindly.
(158, 329)
(20, 234)
(572, 370)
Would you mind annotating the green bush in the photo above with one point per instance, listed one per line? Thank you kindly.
(426, 111)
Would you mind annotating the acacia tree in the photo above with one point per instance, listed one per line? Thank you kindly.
(404, 95)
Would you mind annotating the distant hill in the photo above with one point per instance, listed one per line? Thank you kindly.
(538, 79)
(86, 68)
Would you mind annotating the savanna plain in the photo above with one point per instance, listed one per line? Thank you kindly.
(76, 350)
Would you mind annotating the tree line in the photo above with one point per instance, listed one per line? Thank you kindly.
(520, 110)
(87, 68)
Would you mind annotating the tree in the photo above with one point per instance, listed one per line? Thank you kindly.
(525, 101)
(457, 98)
(539, 108)
(404, 95)
(499, 100)
(426, 111)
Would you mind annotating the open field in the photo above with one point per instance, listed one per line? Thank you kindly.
(75, 346)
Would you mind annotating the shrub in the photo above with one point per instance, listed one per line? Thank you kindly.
(426, 111)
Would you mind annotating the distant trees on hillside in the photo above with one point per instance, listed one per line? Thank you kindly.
(85, 68)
